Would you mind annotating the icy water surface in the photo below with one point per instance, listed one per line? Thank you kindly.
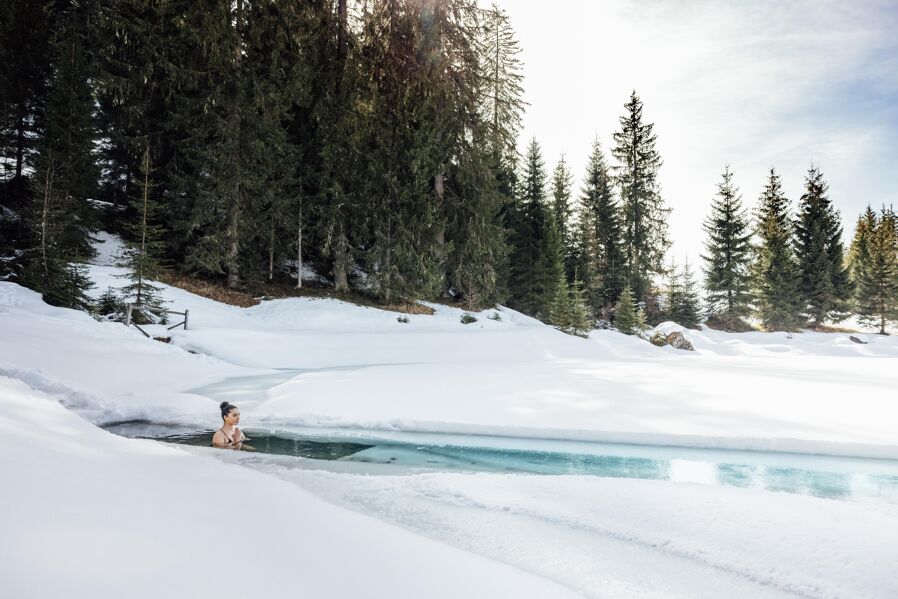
(818, 476)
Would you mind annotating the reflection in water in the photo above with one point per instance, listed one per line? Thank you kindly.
(871, 480)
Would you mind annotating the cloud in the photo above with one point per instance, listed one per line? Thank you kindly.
(754, 84)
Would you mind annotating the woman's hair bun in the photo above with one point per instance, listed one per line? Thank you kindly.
(223, 405)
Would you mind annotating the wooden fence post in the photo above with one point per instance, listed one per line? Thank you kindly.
(186, 312)
(128, 316)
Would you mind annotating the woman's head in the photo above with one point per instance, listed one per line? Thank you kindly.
(229, 413)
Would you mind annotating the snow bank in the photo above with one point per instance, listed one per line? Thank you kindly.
(807, 392)
(88, 514)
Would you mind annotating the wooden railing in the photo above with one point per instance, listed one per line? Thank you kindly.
(147, 312)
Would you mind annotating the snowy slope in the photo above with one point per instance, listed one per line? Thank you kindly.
(87, 514)
(360, 367)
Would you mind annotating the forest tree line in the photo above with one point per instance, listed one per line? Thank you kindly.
(374, 142)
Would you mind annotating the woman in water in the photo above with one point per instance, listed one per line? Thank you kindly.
(229, 436)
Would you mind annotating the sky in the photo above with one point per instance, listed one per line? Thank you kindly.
(756, 84)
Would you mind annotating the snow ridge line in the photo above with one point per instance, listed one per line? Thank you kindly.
(80, 402)
(665, 547)
(359, 502)
(751, 444)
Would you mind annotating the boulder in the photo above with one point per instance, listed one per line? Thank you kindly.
(658, 339)
(678, 341)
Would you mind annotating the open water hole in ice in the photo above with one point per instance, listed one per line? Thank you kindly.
(845, 478)
(852, 479)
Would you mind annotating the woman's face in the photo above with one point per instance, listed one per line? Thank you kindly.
(233, 417)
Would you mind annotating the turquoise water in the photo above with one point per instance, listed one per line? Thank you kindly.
(818, 476)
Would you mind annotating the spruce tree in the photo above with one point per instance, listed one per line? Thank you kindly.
(601, 260)
(537, 258)
(683, 304)
(727, 254)
(628, 318)
(59, 219)
(562, 211)
(560, 313)
(875, 268)
(502, 103)
(825, 287)
(26, 49)
(644, 220)
(141, 258)
(774, 270)
(580, 321)
(530, 218)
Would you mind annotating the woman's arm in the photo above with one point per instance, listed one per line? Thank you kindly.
(219, 440)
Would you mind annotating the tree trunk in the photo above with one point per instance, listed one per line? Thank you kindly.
(45, 217)
(271, 253)
(299, 249)
(234, 217)
(20, 139)
(143, 229)
(342, 25)
(341, 276)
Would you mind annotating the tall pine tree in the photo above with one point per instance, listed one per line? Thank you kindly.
(825, 286)
(875, 268)
(727, 254)
(774, 270)
(59, 218)
(644, 223)
(537, 260)
(562, 180)
(601, 262)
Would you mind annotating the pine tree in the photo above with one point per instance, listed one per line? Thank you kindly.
(528, 286)
(644, 215)
(774, 270)
(825, 287)
(601, 259)
(560, 313)
(727, 253)
(141, 259)
(549, 277)
(413, 147)
(562, 211)
(59, 219)
(580, 321)
(502, 103)
(26, 48)
(628, 318)
(683, 304)
(875, 268)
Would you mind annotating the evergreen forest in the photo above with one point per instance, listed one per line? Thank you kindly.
(374, 147)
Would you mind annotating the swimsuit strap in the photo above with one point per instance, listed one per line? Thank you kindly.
(230, 440)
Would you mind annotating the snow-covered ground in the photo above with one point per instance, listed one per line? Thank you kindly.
(99, 512)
